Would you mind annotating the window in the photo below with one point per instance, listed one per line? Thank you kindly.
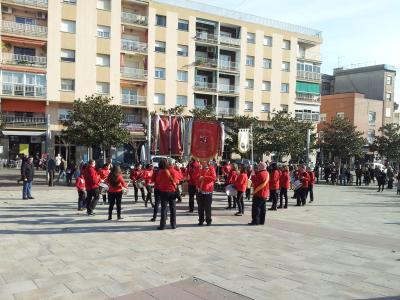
(103, 60)
(69, 1)
(248, 106)
(249, 84)
(371, 136)
(389, 80)
(161, 20)
(284, 108)
(67, 85)
(251, 38)
(267, 41)
(160, 47)
(181, 100)
(103, 31)
(250, 60)
(284, 87)
(286, 45)
(160, 73)
(182, 75)
(104, 4)
(25, 20)
(340, 115)
(371, 117)
(102, 87)
(68, 55)
(388, 96)
(182, 50)
(388, 112)
(159, 99)
(322, 117)
(266, 85)
(183, 25)
(63, 114)
(285, 66)
(265, 107)
(267, 63)
(68, 26)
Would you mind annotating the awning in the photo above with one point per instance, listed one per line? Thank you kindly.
(23, 106)
(308, 88)
(23, 41)
(24, 133)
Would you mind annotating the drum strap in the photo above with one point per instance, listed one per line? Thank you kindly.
(170, 178)
(261, 186)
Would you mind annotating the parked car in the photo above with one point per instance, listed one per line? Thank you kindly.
(157, 158)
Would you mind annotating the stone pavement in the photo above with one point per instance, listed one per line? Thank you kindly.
(344, 246)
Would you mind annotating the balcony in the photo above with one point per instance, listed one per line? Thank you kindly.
(310, 116)
(133, 100)
(305, 75)
(131, 18)
(206, 62)
(230, 41)
(309, 55)
(24, 60)
(35, 3)
(227, 65)
(227, 111)
(205, 86)
(228, 89)
(305, 97)
(133, 46)
(23, 29)
(134, 73)
(24, 122)
(23, 90)
(206, 37)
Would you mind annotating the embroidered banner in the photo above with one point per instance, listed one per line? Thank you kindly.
(205, 140)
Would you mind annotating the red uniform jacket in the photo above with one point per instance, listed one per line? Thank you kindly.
(192, 173)
(118, 187)
(147, 176)
(226, 169)
(80, 183)
(312, 177)
(232, 177)
(274, 181)
(153, 179)
(92, 179)
(258, 179)
(166, 183)
(205, 182)
(241, 182)
(136, 174)
(103, 173)
(284, 180)
(305, 180)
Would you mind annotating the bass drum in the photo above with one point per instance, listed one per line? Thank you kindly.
(230, 190)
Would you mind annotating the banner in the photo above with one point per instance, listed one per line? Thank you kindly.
(244, 140)
(205, 139)
(164, 136)
(170, 135)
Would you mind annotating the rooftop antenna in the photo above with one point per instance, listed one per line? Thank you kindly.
(339, 61)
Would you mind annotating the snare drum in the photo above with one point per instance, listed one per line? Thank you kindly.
(296, 185)
(230, 190)
(103, 188)
(139, 183)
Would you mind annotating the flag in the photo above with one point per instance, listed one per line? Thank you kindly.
(244, 140)
(205, 139)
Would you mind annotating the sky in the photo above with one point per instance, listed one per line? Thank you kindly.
(353, 31)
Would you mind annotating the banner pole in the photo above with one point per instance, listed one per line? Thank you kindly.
(252, 152)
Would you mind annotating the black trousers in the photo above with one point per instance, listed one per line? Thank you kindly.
(81, 199)
(240, 202)
(168, 198)
(149, 190)
(136, 193)
(104, 198)
(204, 202)
(310, 191)
(358, 180)
(248, 194)
(178, 193)
(273, 196)
(157, 201)
(301, 196)
(283, 194)
(92, 197)
(381, 186)
(51, 178)
(232, 202)
(114, 198)
(192, 193)
(258, 210)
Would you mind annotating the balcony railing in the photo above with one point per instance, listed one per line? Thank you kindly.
(226, 111)
(25, 60)
(310, 55)
(308, 97)
(131, 18)
(134, 100)
(36, 3)
(23, 90)
(205, 86)
(134, 73)
(307, 116)
(18, 122)
(206, 37)
(227, 65)
(308, 75)
(229, 41)
(228, 89)
(23, 29)
(206, 62)
(133, 46)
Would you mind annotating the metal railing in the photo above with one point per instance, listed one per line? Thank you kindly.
(133, 46)
(17, 122)
(134, 73)
(37, 3)
(26, 60)
(131, 18)
(307, 116)
(206, 62)
(308, 97)
(205, 86)
(229, 40)
(226, 111)
(227, 65)
(23, 90)
(206, 37)
(310, 55)
(228, 89)
(23, 29)
(308, 75)
(135, 100)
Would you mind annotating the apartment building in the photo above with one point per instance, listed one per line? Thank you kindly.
(147, 55)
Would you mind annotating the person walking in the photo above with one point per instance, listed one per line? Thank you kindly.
(192, 175)
(284, 185)
(27, 174)
(205, 186)
(71, 168)
(359, 173)
(260, 183)
(390, 178)
(147, 176)
(58, 162)
(103, 174)
(273, 186)
(241, 185)
(380, 178)
(310, 190)
(92, 181)
(116, 184)
(51, 168)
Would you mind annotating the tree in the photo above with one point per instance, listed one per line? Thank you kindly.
(177, 110)
(96, 122)
(206, 114)
(388, 143)
(342, 140)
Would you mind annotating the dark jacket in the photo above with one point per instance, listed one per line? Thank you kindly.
(27, 171)
(51, 165)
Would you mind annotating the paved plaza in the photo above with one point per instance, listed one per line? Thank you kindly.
(344, 246)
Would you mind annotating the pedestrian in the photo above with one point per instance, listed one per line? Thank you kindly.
(302, 191)
(92, 181)
(27, 174)
(310, 190)
(390, 178)
(380, 178)
(359, 173)
(138, 183)
(316, 172)
(147, 176)
(157, 199)
(284, 185)
(177, 167)
(205, 187)
(51, 168)
(58, 162)
(233, 174)
(103, 174)
(260, 183)
(192, 175)
(116, 185)
(61, 167)
(71, 168)
(273, 186)
(241, 185)
(81, 188)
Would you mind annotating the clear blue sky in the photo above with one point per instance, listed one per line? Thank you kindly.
(354, 31)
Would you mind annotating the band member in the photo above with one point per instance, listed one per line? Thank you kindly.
(284, 185)
(103, 174)
(226, 169)
(92, 181)
(233, 174)
(260, 183)
(274, 186)
(241, 185)
(147, 176)
(137, 178)
(249, 172)
(116, 183)
(311, 185)
(167, 179)
(192, 175)
(80, 187)
(205, 186)
(179, 186)
(157, 199)
(302, 191)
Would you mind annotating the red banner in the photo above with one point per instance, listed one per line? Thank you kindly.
(164, 136)
(205, 140)
(170, 136)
